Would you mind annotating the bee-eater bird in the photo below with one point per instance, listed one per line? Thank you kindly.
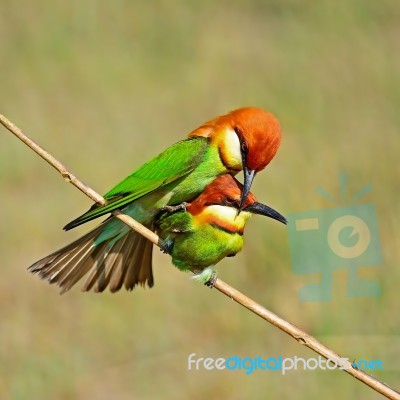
(245, 139)
(198, 235)
(211, 227)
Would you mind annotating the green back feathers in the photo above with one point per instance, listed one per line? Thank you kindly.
(175, 162)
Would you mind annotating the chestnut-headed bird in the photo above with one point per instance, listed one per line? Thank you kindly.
(245, 139)
(211, 227)
(197, 235)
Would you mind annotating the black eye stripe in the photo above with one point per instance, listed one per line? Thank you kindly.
(238, 131)
(243, 143)
(225, 202)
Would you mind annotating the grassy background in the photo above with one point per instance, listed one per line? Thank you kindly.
(106, 85)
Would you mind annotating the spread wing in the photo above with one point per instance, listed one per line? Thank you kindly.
(176, 161)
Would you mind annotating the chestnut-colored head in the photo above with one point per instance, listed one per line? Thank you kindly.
(220, 203)
(224, 190)
(247, 138)
(259, 133)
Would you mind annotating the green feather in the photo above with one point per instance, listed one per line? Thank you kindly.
(175, 162)
(179, 222)
(196, 246)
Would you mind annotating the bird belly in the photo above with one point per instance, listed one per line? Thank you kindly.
(199, 250)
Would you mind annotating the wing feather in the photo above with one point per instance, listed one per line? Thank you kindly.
(175, 162)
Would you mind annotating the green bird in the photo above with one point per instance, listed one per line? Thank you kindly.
(211, 227)
(245, 139)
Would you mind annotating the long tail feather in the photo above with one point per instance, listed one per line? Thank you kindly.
(126, 261)
(139, 265)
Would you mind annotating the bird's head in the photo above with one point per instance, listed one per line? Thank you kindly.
(247, 139)
(221, 200)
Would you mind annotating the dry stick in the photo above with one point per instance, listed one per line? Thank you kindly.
(292, 330)
(305, 339)
(71, 178)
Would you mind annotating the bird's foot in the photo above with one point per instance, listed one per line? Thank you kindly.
(172, 209)
(166, 247)
(208, 276)
(211, 282)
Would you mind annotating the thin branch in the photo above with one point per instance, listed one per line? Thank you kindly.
(71, 178)
(292, 330)
(304, 339)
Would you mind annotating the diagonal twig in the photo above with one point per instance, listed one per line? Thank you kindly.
(71, 178)
(292, 330)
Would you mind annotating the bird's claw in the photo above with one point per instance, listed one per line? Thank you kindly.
(166, 247)
(208, 276)
(211, 282)
(179, 207)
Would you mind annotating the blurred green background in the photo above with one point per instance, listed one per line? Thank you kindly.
(106, 85)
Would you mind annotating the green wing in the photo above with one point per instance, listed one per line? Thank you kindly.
(176, 161)
(178, 222)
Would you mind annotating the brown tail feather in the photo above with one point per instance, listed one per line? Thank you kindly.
(127, 262)
(117, 278)
(139, 265)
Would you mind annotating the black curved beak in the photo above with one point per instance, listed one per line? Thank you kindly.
(262, 209)
(249, 175)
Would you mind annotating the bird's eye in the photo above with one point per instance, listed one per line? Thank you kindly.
(244, 146)
(230, 202)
